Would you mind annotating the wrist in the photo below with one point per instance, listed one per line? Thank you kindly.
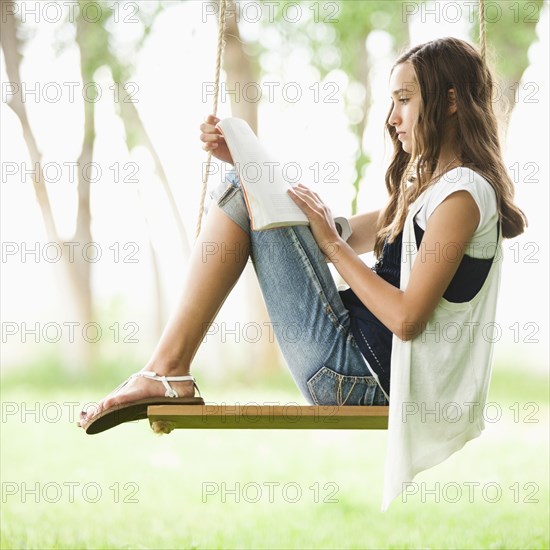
(331, 249)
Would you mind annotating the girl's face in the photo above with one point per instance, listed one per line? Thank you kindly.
(405, 94)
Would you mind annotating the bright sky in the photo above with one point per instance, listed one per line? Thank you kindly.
(177, 59)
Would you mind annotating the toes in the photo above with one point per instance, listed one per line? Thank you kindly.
(87, 414)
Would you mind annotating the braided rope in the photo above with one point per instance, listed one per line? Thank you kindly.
(221, 29)
(482, 30)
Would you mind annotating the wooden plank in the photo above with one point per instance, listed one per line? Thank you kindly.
(270, 417)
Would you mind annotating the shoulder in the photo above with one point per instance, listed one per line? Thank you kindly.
(463, 179)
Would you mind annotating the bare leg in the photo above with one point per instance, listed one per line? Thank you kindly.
(216, 263)
(217, 260)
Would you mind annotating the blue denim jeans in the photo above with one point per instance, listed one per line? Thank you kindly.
(309, 320)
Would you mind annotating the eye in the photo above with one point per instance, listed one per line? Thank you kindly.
(403, 100)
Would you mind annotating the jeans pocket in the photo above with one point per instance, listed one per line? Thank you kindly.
(327, 387)
(217, 195)
(221, 194)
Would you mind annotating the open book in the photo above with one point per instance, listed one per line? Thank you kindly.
(264, 187)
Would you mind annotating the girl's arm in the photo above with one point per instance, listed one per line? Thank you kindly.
(364, 227)
(405, 313)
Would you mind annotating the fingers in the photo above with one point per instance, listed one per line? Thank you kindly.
(210, 121)
(209, 146)
(210, 132)
(210, 135)
(209, 142)
(299, 192)
(308, 200)
(210, 128)
(300, 196)
(308, 190)
(210, 124)
(303, 191)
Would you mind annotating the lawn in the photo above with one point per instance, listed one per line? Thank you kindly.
(128, 488)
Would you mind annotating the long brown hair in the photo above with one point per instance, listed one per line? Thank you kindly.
(440, 65)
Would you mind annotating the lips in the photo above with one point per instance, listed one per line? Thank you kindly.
(400, 134)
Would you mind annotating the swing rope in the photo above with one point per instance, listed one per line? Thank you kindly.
(221, 31)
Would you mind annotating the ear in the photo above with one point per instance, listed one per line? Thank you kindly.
(452, 101)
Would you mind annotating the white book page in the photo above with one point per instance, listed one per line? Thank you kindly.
(261, 176)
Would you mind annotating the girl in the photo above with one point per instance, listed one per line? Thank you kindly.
(338, 343)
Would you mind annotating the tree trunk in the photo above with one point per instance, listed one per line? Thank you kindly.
(83, 289)
(362, 71)
(238, 68)
(134, 127)
(11, 45)
(137, 133)
(78, 271)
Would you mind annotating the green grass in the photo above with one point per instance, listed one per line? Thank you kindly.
(168, 476)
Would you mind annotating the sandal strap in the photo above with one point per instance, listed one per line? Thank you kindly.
(197, 388)
(170, 391)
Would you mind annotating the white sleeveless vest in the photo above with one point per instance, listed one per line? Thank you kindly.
(439, 379)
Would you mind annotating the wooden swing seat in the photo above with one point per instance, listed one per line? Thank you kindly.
(270, 417)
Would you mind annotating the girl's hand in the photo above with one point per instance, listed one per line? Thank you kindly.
(320, 218)
(213, 140)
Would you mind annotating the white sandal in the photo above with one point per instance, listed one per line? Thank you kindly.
(137, 410)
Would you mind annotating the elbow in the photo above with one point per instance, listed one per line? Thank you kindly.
(412, 319)
(409, 328)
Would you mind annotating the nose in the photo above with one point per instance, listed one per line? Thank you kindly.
(394, 116)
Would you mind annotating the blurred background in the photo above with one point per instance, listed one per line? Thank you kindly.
(101, 179)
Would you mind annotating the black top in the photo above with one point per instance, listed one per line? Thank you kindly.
(375, 339)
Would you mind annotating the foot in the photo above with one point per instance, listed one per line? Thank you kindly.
(138, 388)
